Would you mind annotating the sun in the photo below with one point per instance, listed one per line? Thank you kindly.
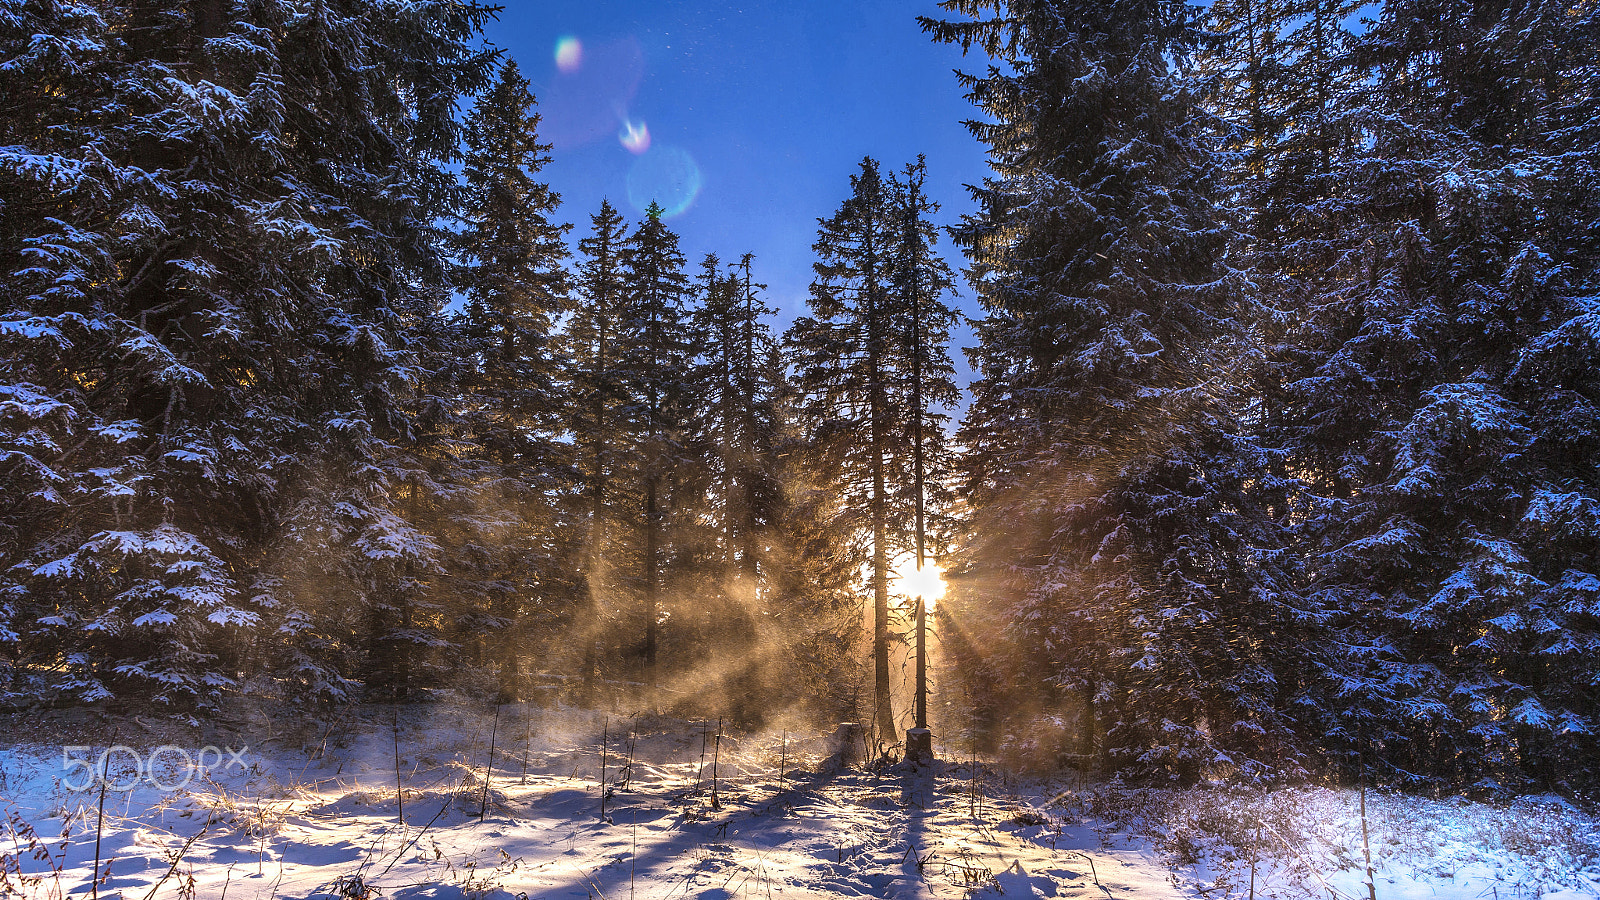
(928, 583)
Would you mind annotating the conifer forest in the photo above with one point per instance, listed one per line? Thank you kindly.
(1243, 435)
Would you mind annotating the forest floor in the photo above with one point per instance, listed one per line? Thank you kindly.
(312, 810)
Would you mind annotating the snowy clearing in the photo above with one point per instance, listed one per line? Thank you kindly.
(314, 812)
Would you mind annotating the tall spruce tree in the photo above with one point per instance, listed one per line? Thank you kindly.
(514, 276)
(920, 280)
(875, 339)
(599, 409)
(1112, 536)
(739, 381)
(516, 286)
(659, 372)
(1281, 77)
(750, 350)
(59, 86)
(841, 370)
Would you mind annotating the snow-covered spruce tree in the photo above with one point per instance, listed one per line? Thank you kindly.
(854, 360)
(1445, 405)
(515, 282)
(658, 357)
(736, 424)
(920, 280)
(1281, 76)
(218, 242)
(57, 85)
(734, 344)
(1115, 539)
(600, 417)
(838, 359)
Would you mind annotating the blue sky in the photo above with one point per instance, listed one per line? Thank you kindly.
(773, 103)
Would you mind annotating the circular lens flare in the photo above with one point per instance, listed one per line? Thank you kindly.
(635, 136)
(569, 54)
(927, 583)
(665, 175)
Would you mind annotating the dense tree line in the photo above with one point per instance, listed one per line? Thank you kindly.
(305, 393)
(1280, 459)
(1289, 366)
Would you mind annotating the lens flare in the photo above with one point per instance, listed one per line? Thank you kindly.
(665, 175)
(588, 99)
(569, 54)
(635, 136)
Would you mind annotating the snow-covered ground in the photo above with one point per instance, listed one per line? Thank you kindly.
(1306, 843)
(314, 811)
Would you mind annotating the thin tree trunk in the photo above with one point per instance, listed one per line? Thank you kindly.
(597, 532)
(918, 463)
(652, 509)
(504, 607)
(652, 542)
(1086, 732)
(748, 452)
(403, 649)
(880, 537)
(510, 659)
(731, 450)
(407, 606)
(749, 559)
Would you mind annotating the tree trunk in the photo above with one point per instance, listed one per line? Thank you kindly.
(880, 602)
(749, 560)
(919, 463)
(1086, 732)
(586, 698)
(597, 528)
(510, 673)
(880, 537)
(749, 453)
(652, 544)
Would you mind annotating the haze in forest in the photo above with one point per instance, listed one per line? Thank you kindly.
(376, 354)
